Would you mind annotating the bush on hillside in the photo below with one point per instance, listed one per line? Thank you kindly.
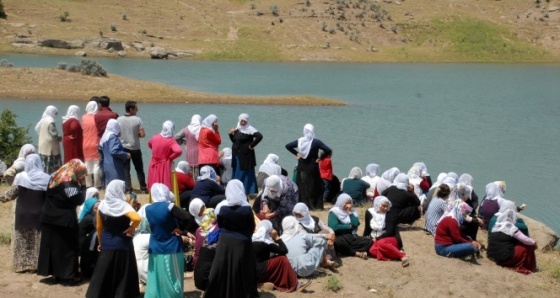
(2, 12)
(87, 67)
(12, 136)
(64, 17)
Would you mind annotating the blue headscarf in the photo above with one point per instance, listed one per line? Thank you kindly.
(88, 206)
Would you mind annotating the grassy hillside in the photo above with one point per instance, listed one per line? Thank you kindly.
(296, 30)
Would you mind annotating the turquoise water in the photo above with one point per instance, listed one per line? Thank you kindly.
(494, 121)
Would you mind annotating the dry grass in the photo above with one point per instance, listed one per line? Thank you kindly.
(31, 83)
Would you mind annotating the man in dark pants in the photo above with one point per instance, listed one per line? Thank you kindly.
(132, 129)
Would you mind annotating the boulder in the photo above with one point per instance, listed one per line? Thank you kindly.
(546, 238)
(158, 53)
(114, 44)
(80, 53)
(121, 54)
(23, 41)
(137, 45)
(77, 44)
(55, 43)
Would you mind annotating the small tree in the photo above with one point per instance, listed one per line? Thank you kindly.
(2, 12)
(12, 137)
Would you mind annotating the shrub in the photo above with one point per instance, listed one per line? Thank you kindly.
(333, 284)
(307, 3)
(259, 13)
(5, 63)
(124, 17)
(61, 65)
(64, 17)
(12, 136)
(2, 12)
(5, 238)
(274, 10)
(281, 19)
(113, 28)
(324, 27)
(253, 5)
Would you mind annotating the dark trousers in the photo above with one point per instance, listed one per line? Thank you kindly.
(136, 158)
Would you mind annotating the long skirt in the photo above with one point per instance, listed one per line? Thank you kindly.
(165, 275)
(234, 270)
(202, 266)
(386, 249)
(115, 275)
(279, 272)
(58, 253)
(310, 185)
(51, 163)
(523, 260)
(248, 178)
(25, 248)
(348, 244)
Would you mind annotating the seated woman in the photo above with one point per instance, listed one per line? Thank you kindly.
(371, 178)
(405, 204)
(436, 209)
(509, 247)
(432, 190)
(208, 188)
(449, 241)
(272, 264)
(315, 227)
(491, 202)
(419, 178)
(344, 221)
(269, 167)
(305, 252)
(355, 187)
(519, 222)
(185, 182)
(206, 240)
(471, 225)
(277, 200)
(386, 180)
(385, 246)
(225, 165)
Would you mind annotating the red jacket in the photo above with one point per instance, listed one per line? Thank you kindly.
(325, 168)
(448, 232)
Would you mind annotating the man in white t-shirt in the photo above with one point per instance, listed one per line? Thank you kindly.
(132, 129)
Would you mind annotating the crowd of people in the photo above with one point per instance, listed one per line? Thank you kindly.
(200, 219)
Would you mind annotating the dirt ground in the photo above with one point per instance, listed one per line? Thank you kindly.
(428, 275)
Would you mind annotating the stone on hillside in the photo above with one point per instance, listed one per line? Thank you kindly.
(55, 43)
(546, 238)
(121, 53)
(108, 44)
(23, 41)
(80, 53)
(553, 8)
(137, 45)
(158, 53)
(76, 44)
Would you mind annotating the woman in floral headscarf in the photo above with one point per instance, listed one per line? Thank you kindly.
(245, 138)
(72, 134)
(449, 240)
(59, 250)
(164, 150)
(49, 140)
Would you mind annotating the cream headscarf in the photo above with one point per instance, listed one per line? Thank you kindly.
(306, 221)
(168, 129)
(183, 167)
(401, 181)
(235, 195)
(48, 115)
(304, 143)
(33, 177)
(209, 121)
(194, 127)
(91, 107)
(505, 223)
(115, 201)
(262, 234)
(270, 165)
(341, 214)
(273, 187)
(194, 209)
(289, 228)
(247, 128)
(160, 193)
(227, 153)
(372, 169)
(355, 173)
(460, 192)
(377, 222)
(73, 112)
(113, 128)
(19, 163)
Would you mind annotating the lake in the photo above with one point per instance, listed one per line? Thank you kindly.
(493, 121)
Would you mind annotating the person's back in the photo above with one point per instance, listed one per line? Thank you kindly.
(130, 130)
(103, 115)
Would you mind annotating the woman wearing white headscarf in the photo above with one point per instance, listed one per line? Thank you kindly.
(436, 209)
(189, 137)
(72, 134)
(233, 272)
(308, 177)
(355, 187)
(371, 178)
(509, 247)
(405, 205)
(49, 140)
(431, 192)
(386, 246)
(164, 150)
(208, 187)
(166, 260)
(305, 251)
(464, 192)
(19, 164)
(29, 190)
(245, 138)
(519, 222)
(90, 144)
(416, 177)
(113, 152)
(226, 165)
(491, 203)
(209, 141)
(449, 240)
(185, 182)
(386, 180)
(268, 167)
(116, 272)
(344, 221)
(277, 200)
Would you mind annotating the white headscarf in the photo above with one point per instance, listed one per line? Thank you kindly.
(113, 128)
(449, 181)
(91, 107)
(73, 112)
(160, 193)
(168, 129)
(270, 165)
(456, 209)
(423, 169)
(306, 221)
(115, 201)
(91, 191)
(33, 177)
(48, 115)
(304, 143)
(209, 121)
(25, 150)
(183, 167)
(453, 175)
(262, 234)
(194, 209)
(341, 214)
(439, 180)
(377, 222)
(273, 187)
(372, 169)
(194, 127)
(227, 153)
(466, 179)
(505, 223)
(355, 173)
(494, 191)
(235, 195)
(387, 179)
(414, 172)
(401, 181)
(461, 191)
(207, 172)
(290, 228)
(247, 129)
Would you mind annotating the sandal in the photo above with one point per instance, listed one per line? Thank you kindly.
(362, 255)
(405, 263)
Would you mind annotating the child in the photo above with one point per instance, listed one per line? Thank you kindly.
(225, 165)
(325, 168)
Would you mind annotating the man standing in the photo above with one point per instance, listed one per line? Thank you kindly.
(103, 115)
(132, 129)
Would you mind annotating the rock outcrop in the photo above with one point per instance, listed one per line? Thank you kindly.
(158, 53)
(546, 238)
